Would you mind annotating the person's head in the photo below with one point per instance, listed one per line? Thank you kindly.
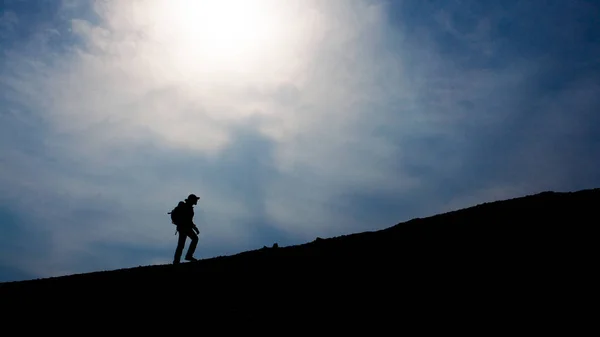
(192, 199)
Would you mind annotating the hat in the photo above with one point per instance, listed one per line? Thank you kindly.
(192, 197)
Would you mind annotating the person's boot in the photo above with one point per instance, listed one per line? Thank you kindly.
(190, 258)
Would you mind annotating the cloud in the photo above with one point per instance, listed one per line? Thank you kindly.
(326, 118)
(8, 21)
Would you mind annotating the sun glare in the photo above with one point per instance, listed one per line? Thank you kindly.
(220, 33)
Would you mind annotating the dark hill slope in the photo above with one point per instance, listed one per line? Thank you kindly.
(508, 260)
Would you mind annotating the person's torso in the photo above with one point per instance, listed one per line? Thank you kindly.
(187, 213)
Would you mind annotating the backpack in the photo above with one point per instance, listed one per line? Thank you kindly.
(176, 213)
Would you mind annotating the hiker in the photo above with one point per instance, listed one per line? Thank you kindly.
(182, 217)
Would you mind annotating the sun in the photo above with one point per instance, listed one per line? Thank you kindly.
(222, 24)
(220, 33)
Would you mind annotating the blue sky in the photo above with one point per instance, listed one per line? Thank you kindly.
(291, 119)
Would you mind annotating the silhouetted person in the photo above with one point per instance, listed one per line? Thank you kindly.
(183, 218)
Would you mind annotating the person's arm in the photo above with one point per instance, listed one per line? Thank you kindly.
(194, 227)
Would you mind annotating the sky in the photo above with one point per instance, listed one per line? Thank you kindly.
(290, 119)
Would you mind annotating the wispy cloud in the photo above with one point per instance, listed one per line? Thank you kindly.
(291, 119)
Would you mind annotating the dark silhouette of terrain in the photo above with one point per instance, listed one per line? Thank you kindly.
(521, 262)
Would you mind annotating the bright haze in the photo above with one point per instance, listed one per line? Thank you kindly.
(291, 119)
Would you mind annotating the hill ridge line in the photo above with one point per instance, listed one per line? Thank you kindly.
(323, 241)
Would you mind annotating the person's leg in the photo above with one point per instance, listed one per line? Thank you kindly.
(180, 245)
(192, 248)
